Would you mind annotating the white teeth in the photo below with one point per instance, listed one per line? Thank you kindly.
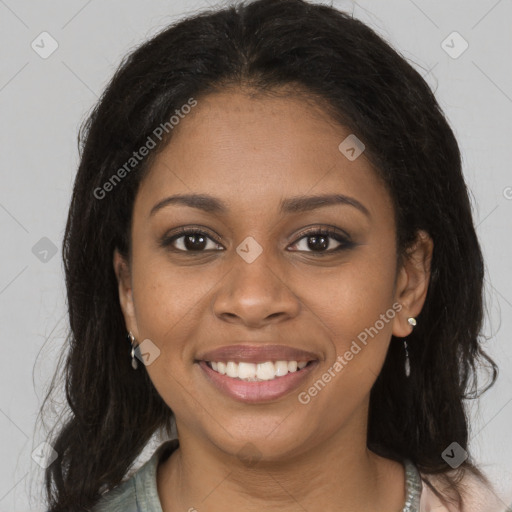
(232, 369)
(281, 368)
(268, 370)
(292, 366)
(246, 370)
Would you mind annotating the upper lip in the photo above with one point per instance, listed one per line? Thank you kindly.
(257, 354)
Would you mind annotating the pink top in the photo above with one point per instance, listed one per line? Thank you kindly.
(477, 497)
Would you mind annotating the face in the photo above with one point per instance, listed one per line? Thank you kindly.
(264, 264)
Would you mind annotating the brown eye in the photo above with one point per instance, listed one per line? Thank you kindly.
(319, 241)
(190, 240)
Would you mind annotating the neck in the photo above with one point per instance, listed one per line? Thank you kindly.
(201, 476)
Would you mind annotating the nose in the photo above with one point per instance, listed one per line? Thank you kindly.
(255, 294)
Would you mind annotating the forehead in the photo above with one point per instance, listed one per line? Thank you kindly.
(255, 150)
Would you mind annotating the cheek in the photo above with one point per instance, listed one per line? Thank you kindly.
(355, 301)
(167, 305)
(170, 306)
(166, 297)
(355, 311)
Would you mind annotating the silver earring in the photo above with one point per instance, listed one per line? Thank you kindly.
(131, 337)
(412, 321)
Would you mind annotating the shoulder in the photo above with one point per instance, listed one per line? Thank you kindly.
(122, 498)
(477, 496)
(138, 493)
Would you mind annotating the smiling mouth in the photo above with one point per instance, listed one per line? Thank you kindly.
(257, 372)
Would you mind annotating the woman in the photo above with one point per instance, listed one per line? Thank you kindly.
(270, 247)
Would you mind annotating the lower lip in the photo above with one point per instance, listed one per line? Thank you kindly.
(257, 391)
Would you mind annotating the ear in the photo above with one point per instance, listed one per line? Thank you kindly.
(412, 282)
(123, 274)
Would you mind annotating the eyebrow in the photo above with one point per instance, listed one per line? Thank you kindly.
(297, 204)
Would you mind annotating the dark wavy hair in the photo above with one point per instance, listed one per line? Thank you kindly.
(365, 85)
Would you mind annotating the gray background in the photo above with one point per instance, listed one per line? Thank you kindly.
(43, 101)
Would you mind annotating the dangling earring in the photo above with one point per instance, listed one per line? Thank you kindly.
(412, 321)
(131, 337)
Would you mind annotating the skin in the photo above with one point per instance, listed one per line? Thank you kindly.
(251, 152)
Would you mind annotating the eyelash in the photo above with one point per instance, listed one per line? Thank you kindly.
(345, 243)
